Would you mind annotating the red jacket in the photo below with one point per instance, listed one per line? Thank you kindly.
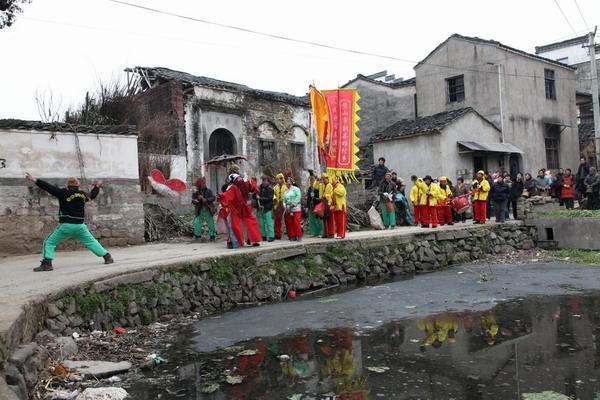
(568, 189)
(233, 199)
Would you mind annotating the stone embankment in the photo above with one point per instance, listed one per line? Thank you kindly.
(216, 284)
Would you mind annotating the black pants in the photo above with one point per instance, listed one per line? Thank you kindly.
(592, 201)
(569, 203)
(500, 209)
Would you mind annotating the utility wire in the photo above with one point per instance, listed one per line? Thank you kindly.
(323, 45)
(565, 17)
(581, 15)
(269, 35)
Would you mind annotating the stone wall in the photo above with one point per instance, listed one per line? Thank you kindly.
(220, 284)
(29, 214)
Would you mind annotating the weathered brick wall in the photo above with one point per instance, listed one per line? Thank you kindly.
(28, 215)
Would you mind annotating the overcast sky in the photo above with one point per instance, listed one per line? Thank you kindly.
(67, 46)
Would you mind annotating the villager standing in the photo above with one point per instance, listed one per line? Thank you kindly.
(461, 189)
(444, 208)
(582, 172)
(529, 186)
(500, 194)
(541, 182)
(592, 189)
(415, 199)
(326, 192)
(264, 209)
(292, 201)
(339, 208)
(567, 193)
(203, 199)
(516, 191)
(387, 191)
(278, 190)
(430, 195)
(71, 218)
(240, 213)
(379, 172)
(480, 189)
(312, 199)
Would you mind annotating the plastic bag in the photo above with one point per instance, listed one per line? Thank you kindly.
(222, 226)
(375, 219)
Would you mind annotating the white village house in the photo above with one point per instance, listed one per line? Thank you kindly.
(484, 105)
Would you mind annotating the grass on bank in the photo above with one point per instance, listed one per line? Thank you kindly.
(576, 256)
(571, 213)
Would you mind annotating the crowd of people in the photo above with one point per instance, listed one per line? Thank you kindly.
(250, 212)
(496, 194)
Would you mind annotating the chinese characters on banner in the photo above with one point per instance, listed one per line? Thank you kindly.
(341, 151)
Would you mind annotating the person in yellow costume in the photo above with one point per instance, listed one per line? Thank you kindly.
(278, 190)
(339, 208)
(326, 192)
(415, 199)
(444, 208)
(480, 189)
(430, 195)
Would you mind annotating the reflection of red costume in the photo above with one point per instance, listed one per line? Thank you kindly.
(241, 212)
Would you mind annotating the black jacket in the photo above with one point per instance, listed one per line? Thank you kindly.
(516, 190)
(379, 172)
(500, 192)
(209, 199)
(71, 201)
(264, 197)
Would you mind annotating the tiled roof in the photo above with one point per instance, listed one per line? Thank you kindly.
(168, 74)
(424, 125)
(64, 127)
(392, 85)
(495, 44)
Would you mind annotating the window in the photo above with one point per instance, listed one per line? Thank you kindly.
(552, 142)
(298, 153)
(549, 84)
(267, 152)
(456, 88)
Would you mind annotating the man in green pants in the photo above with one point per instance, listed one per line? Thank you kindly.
(264, 209)
(71, 218)
(204, 199)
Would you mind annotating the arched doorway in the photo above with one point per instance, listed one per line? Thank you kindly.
(220, 142)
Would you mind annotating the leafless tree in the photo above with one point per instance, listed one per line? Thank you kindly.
(49, 107)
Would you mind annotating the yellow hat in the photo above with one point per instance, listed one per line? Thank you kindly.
(443, 178)
(324, 175)
(481, 172)
(279, 176)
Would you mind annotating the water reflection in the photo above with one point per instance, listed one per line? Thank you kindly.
(527, 345)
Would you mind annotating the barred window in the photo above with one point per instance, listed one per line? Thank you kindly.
(456, 88)
(550, 84)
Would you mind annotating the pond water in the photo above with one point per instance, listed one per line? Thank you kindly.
(527, 345)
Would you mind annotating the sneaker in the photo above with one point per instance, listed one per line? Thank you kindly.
(450, 223)
(264, 239)
(108, 259)
(229, 245)
(424, 226)
(45, 265)
(270, 240)
(212, 238)
(255, 244)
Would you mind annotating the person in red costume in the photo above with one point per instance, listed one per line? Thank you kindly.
(240, 212)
